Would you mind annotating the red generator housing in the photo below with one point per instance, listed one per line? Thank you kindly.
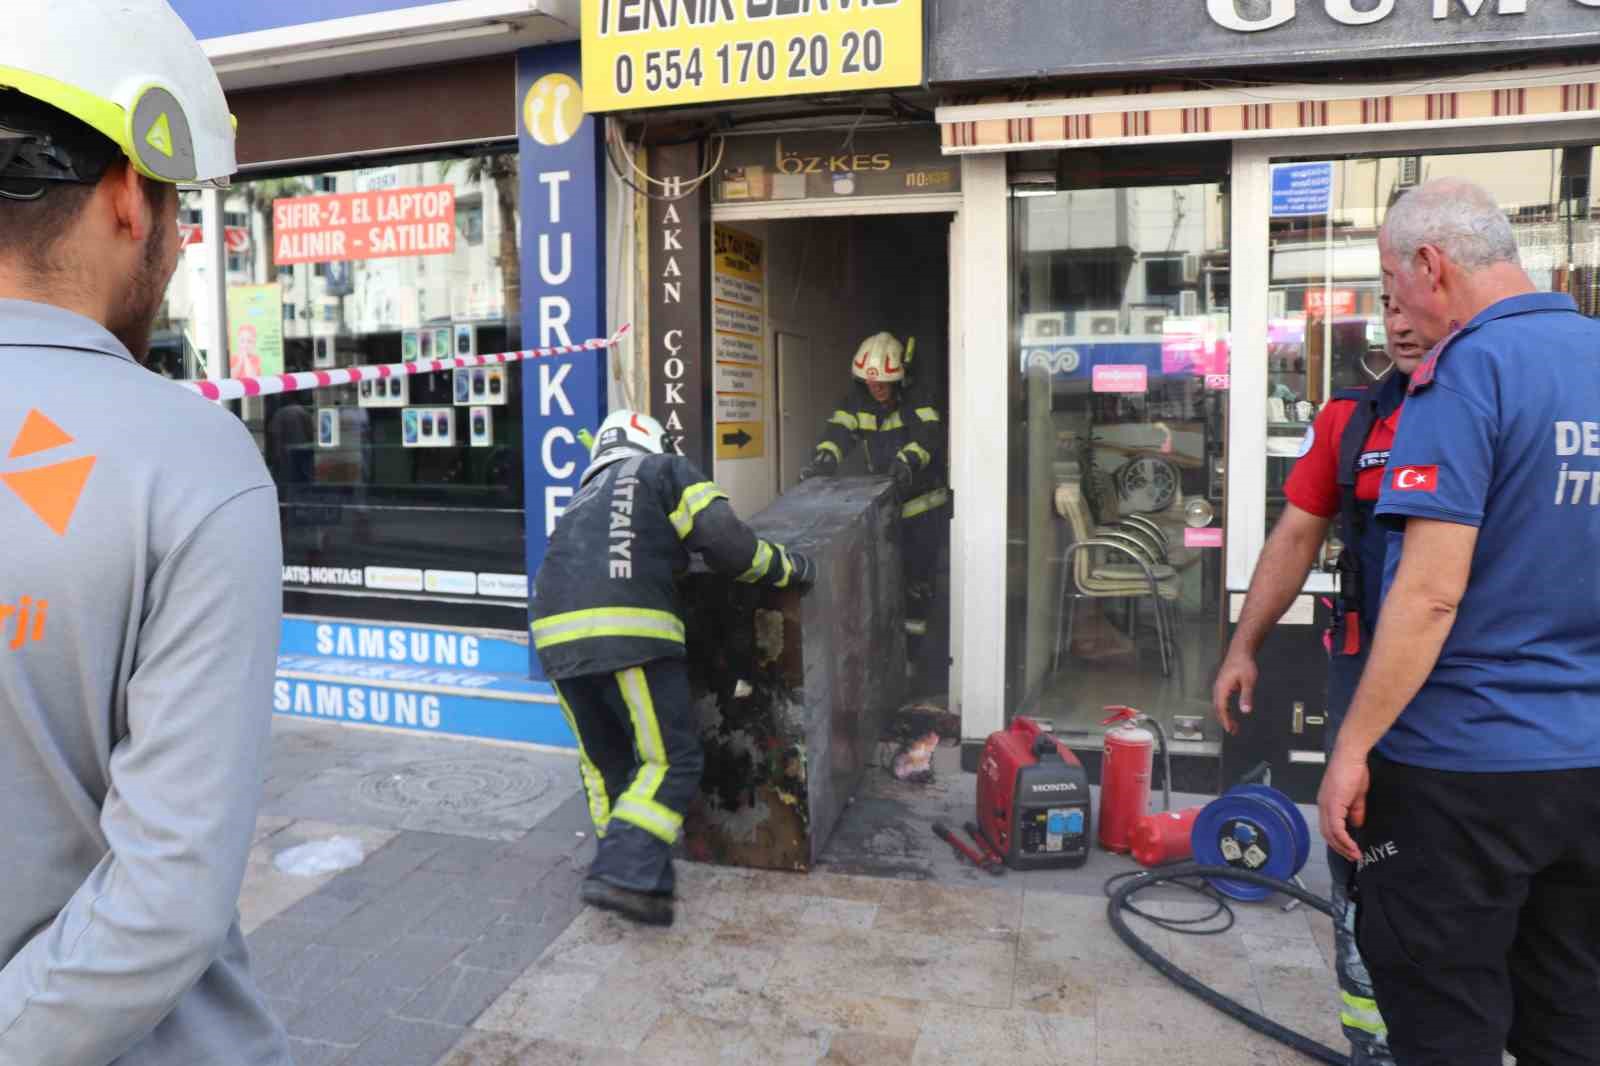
(1033, 799)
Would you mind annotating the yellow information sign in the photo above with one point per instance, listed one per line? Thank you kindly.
(662, 53)
(741, 440)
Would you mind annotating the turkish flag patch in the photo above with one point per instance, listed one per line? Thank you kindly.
(1416, 479)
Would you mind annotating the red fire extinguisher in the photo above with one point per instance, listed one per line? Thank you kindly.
(1124, 777)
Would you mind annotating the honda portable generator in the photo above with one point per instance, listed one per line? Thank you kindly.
(1033, 798)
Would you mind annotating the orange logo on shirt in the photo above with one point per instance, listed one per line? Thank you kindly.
(50, 492)
(27, 617)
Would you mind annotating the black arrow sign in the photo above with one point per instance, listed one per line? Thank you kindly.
(738, 440)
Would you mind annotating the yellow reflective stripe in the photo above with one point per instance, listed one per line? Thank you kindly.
(1362, 1013)
(607, 622)
(916, 629)
(788, 568)
(867, 420)
(926, 502)
(892, 422)
(829, 446)
(594, 782)
(928, 414)
(845, 419)
(638, 804)
(695, 498)
(653, 818)
(919, 451)
(760, 564)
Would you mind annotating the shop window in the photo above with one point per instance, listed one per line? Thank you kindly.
(1325, 327)
(174, 347)
(413, 474)
(1118, 371)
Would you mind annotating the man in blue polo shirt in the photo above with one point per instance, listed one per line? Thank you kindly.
(1469, 764)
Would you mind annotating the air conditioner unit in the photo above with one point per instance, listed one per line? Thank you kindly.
(1191, 269)
(1042, 326)
(1277, 304)
(1098, 323)
(1188, 304)
(1152, 323)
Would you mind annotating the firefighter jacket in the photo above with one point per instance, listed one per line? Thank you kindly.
(605, 598)
(912, 433)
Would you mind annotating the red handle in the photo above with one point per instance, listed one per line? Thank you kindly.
(1121, 714)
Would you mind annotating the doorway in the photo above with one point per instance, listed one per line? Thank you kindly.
(830, 283)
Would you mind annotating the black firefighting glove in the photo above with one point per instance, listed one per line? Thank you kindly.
(902, 479)
(822, 466)
(804, 572)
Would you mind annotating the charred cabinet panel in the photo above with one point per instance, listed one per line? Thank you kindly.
(792, 691)
(1288, 725)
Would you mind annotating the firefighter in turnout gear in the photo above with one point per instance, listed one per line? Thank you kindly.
(901, 436)
(1338, 477)
(609, 634)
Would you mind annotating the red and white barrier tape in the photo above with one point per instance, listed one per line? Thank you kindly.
(239, 388)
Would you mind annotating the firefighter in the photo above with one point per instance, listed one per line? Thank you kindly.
(902, 437)
(1339, 475)
(608, 631)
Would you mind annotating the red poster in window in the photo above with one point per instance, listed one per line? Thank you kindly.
(385, 224)
(1343, 302)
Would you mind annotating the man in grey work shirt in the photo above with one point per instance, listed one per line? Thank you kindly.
(139, 578)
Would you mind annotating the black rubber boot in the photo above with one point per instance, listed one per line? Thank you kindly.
(642, 907)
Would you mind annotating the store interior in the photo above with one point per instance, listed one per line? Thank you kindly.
(830, 283)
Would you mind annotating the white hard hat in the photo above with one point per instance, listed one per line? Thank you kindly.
(880, 358)
(131, 70)
(622, 434)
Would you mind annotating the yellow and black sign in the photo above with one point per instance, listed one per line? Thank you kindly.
(660, 53)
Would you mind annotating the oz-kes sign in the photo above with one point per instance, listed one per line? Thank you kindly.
(364, 225)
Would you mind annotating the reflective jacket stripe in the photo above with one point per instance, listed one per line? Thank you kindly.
(653, 818)
(760, 564)
(867, 421)
(928, 501)
(918, 451)
(788, 568)
(832, 448)
(928, 414)
(607, 622)
(845, 419)
(894, 421)
(696, 498)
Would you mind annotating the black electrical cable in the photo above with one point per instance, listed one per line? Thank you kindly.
(1185, 874)
(1186, 926)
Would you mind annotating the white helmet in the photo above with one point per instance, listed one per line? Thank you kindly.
(622, 434)
(880, 358)
(131, 70)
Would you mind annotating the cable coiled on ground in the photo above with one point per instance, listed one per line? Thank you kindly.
(1189, 875)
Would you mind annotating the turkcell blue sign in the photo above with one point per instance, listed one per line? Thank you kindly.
(563, 283)
(1300, 189)
(209, 18)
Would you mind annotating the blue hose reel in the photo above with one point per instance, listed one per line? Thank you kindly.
(1254, 828)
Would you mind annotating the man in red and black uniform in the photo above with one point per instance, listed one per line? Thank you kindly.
(1339, 475)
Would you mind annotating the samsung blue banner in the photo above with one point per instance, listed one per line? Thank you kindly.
(223, 18)
(563, 283)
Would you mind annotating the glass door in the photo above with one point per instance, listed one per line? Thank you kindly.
(1118, 386)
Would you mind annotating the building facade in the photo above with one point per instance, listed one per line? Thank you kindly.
(1134, 265)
